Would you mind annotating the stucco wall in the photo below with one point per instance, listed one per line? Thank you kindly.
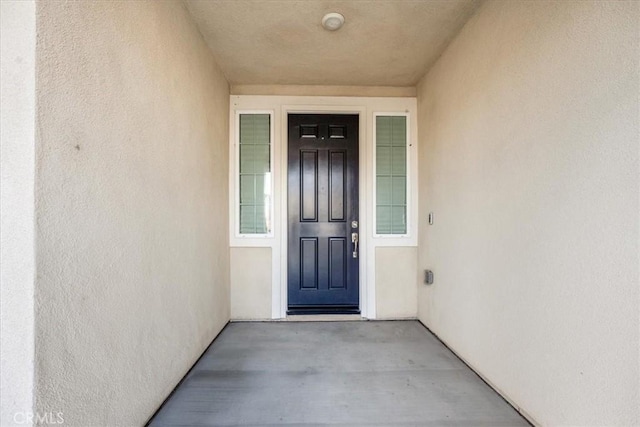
(303, 90)
(529, 159)
(396, 290)
(131, 193)
(395, 278)
(17, 161)
(251, 283)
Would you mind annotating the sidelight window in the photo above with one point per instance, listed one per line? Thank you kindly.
(391, 174)
(254, 173)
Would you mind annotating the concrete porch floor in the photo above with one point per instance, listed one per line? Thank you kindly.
(375, 373)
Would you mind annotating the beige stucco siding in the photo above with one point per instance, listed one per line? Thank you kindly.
(304, 90)
(251, 285)
(131, 193)
(529, 160)
(17, 163)
(396, 288)
(395, 283)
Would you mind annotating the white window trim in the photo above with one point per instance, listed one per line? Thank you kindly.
(410, 238)
(395, 238)
(237, 238)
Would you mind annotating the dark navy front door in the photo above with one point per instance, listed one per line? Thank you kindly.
(323, 213)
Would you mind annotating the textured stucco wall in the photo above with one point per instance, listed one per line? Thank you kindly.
(131, 217)
(529, 133)
(251, 283)
(302, 90)
(17, 161)
(396, 275)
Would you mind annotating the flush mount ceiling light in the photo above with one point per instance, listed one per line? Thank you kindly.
(332, 21)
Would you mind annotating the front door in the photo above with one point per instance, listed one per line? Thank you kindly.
(323, 214)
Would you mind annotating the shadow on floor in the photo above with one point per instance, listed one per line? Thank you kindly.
(332, 373)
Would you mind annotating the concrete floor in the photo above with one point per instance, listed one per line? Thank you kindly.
(333, 373)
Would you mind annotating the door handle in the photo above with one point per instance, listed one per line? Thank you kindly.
(354, 240)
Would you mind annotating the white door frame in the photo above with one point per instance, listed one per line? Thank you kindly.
(364, 291)
(280, 106)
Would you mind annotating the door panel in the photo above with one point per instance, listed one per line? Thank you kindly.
(337, 171)
(309, 263)
(337, 265)
(323, 202)
(309, 185)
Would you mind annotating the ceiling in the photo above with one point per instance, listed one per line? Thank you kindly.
(282, 42)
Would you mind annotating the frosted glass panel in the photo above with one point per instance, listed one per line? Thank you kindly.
(391, 175)
(247, 219)
(255, 173)
(398, 220)
(399, 131)
(255, 129)
(247, 190)
(399, 191)
(383, 160)
(383, 219)
(383, 191)
(399, 161)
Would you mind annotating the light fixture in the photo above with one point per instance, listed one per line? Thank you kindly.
(332, 21)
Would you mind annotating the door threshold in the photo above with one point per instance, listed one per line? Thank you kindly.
(323, 309)
(323, 317)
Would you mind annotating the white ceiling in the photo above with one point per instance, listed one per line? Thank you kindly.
(383, 42)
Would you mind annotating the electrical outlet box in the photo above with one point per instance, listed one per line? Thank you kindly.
(428, 277)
